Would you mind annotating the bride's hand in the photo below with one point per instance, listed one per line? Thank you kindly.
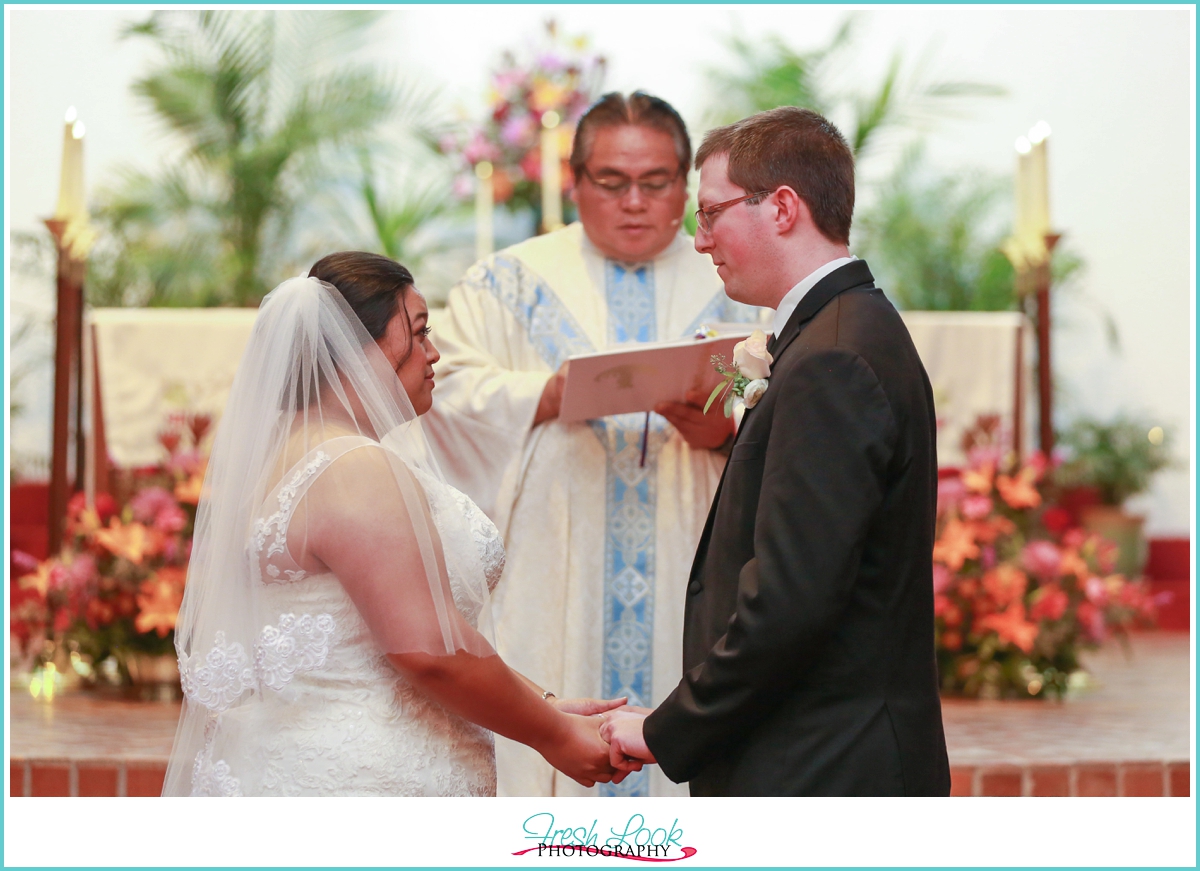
(579, 752)
(586, 707)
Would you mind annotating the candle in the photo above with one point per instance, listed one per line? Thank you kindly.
(1039, 182)
(70, 186)
(551, 174)
(485, 200)
(1021, 218)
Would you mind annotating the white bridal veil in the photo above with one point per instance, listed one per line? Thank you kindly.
(318, 466)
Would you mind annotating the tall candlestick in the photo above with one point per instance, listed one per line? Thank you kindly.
(551, 174)
(485, 200)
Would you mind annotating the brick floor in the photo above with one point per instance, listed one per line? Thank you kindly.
(144, 779)
(97, 779)
(1127, 735)
(1047, 780)
(1180, 776)
(962, 780)
(1145, 780)
(1093, 780)
(50, 779)
(1001, 781)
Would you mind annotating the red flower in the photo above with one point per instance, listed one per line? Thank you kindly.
(170, 439)
(199, 424)
(1049, 603)
(1057, 520)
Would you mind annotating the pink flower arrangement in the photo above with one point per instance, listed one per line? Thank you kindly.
(1018, 591)
(560, 75)
(116, 586)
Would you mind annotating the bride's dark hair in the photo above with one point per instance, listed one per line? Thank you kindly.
(373, 285)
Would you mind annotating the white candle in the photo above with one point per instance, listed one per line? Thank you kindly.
(485, 201)
(71, 205)
(1021, 190)
(551, 174)
(1039, 181)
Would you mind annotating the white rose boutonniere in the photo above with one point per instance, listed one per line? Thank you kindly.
(749, 377)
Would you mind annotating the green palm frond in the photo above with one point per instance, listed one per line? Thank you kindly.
(767, 72)
(258, 100)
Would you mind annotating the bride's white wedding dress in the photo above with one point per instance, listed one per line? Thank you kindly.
(334, 717)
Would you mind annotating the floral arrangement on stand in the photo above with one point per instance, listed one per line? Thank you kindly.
(1019, 589)
(105, 607)
(560, 75)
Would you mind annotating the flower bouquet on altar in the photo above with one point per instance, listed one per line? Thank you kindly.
(105, 607)
(1019, 591)
(561, 76)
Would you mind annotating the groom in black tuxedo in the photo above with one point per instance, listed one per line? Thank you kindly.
(808, 655)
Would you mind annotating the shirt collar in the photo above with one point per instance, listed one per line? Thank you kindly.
(792, 298)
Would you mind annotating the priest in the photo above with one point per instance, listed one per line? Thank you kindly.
(600, 519)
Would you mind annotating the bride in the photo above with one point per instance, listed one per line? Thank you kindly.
(335, 636)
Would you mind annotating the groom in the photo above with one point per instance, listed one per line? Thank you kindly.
(808, 641)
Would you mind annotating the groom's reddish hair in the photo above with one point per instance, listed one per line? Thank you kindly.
(793, 147)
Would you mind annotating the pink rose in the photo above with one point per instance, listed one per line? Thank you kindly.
(751, 357)
(170, 519)
(1096, 593)
(149, 503)
(975, 507)
(1042, 559)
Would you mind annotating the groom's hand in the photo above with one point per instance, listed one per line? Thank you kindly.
(700, 430)
(627, 746)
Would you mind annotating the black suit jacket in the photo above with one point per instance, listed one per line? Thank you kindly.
(808, 656)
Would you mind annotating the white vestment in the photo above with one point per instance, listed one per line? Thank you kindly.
(599, 546)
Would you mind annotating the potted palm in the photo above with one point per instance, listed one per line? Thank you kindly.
(1107, 463)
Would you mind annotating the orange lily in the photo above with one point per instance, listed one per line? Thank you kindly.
(189, 491)
(1005, 584)
(955, 546)
(39, 580)
(158, 606)
(1018, 490)
(1012, 627)
(979, 480)
(132, 541)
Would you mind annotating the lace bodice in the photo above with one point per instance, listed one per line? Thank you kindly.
(328, 713)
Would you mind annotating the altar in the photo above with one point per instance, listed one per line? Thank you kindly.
(150, 363)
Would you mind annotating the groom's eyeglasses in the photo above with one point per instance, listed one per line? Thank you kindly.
(704, 216)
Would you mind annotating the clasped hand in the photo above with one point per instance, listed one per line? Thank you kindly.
(581, 752)
(622, 730)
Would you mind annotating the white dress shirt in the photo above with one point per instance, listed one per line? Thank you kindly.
(792, 298)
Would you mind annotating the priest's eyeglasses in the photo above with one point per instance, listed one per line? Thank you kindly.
(704, 216)
(616, 186)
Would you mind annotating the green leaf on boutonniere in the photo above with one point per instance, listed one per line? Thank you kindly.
(724, 385)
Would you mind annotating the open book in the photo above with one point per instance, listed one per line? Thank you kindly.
(636, 377)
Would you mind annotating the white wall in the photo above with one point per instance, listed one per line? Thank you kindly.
(1116, 86)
